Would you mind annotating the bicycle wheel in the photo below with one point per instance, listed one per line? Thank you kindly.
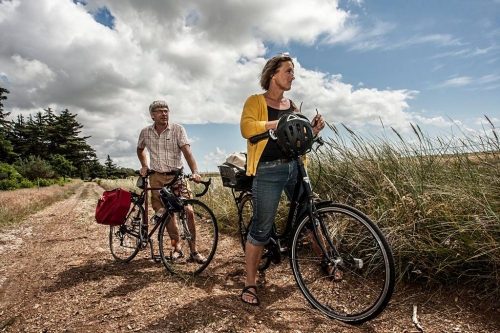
(245, 213)
(203, 237)
(358, 283)
(124, 239)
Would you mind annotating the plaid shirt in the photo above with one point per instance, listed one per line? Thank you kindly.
(165, 149)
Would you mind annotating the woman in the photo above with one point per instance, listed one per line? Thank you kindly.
(273, 170)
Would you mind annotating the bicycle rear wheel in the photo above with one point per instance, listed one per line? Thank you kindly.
(358, 283)
(203, 236)
(124, 239)
(245, 213)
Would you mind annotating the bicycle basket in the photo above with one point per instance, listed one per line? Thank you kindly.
(234, 177)
(169, 199)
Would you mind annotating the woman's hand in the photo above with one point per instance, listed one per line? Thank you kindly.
(318, 124)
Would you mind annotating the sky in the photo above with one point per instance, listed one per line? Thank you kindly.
(365, 64)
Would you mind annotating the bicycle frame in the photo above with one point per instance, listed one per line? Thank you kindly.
(145, 198)
(297, 202)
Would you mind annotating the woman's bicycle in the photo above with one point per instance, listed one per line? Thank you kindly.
(339, 257)
(195, 221)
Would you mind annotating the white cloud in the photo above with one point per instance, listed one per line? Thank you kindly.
(203, 57)
(218, 157)
(456, 81)
(470, 81)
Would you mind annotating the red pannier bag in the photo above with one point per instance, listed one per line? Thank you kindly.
(113, 206)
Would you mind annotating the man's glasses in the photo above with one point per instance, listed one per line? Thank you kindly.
(162, 111)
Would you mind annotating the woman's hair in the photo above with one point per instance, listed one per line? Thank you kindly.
(271, 68)
(157, 104)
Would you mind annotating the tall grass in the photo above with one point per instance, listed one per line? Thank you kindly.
(436, 199)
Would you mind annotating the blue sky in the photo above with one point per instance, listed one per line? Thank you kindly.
(431, 63)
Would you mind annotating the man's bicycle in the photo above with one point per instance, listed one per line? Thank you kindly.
(340, 259)
(127, 239)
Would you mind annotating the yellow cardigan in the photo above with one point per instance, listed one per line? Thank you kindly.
(253, 122)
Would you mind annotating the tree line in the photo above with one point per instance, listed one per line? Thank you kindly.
(46, 145)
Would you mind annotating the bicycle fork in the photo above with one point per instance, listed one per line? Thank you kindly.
(182, 224)
(333, 258)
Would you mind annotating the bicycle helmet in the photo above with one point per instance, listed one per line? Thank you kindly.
(169, 199)
(294, 134)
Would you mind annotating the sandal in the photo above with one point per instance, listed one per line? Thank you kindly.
(336, 273)
(156, 258)
(200, 260)
(176, 254)
(246, 290)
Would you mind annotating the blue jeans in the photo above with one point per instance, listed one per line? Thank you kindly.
(269, 182)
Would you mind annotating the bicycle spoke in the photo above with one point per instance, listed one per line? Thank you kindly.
(355, 280)
(202, 238)
(124, 239)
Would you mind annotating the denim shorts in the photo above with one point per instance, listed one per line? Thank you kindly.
(269, 182)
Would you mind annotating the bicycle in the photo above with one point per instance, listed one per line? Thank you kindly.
(127, 239)
(340, 259)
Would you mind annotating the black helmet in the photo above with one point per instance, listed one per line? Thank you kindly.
(169, 199)
(294, 134)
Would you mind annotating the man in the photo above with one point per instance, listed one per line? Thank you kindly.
(165, 141)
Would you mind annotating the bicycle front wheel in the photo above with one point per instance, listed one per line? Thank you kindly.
(196, 228)
(124, 240)
(354, 280)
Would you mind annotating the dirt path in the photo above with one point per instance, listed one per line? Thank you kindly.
(57, 275)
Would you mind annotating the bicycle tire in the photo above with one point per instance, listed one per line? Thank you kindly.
(366, 263)
(206, 240)
(124, 241)
(245, 213)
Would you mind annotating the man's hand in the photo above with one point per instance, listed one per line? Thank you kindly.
(143, 171)
(196, 177)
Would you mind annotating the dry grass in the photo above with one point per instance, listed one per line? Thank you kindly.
(16, 205)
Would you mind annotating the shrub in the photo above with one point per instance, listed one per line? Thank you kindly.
(34, 168)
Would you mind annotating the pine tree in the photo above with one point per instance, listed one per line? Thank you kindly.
(7, 153)
(110, 167)
(67, 142)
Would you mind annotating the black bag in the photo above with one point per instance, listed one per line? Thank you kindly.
(233, 172)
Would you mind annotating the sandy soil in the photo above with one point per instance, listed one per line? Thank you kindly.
(57, 275)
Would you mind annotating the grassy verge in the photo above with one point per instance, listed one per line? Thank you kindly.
(16, 205)
(436, 199)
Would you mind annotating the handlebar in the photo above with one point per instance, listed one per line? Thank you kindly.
(179, 174)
